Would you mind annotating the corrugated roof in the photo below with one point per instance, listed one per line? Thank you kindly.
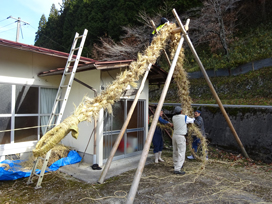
(41, 50)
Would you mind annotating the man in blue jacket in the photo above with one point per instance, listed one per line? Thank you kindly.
(157, 139)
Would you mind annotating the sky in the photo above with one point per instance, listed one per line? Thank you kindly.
(29, 11)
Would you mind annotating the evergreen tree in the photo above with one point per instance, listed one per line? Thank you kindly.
(42, 24)
(102, 18)
(53, 11)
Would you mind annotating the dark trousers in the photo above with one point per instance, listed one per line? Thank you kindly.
(196, 142)
(157, 143)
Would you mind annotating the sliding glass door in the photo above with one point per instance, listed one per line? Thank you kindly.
(134, 137)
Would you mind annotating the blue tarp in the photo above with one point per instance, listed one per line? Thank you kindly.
(14, 172)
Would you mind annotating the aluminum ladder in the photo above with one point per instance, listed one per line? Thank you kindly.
(60, 101)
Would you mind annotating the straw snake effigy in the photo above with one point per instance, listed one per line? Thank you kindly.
(89, 108)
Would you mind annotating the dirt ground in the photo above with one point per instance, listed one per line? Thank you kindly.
(226, 178)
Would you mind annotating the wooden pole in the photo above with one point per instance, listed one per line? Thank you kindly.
(120, 136)
(209, 83)
(141, 165)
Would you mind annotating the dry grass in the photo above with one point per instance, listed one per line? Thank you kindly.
(227, 178)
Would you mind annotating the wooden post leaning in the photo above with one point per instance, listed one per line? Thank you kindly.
(120, 136)
(141, 165)
(209, 83)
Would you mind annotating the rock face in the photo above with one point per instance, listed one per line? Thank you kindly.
(253, 126)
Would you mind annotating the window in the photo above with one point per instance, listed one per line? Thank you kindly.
(134, 137)
(24, 106)
(5, 124)
(5, 99)
(26, 99)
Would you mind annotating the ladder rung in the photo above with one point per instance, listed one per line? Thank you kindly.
(36, 174)
(67, 73)
(72, 60)
(76, 49)
(79, 37)
(60, 99)
(64, 86)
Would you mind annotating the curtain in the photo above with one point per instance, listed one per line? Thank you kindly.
(47, 99)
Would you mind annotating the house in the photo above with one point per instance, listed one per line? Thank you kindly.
(29, 80)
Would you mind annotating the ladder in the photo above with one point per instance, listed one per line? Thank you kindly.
(60, 101)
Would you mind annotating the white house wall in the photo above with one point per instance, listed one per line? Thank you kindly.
(78, 91)
(21, 67)
(96, 79)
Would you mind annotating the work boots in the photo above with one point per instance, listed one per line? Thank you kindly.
(160, 159)
(157, 157)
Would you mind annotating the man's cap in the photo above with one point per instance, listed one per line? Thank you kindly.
(198, 111)
(177, 109)
(163, 20)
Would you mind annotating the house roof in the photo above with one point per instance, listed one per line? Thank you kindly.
(156, 74)
(41, 50)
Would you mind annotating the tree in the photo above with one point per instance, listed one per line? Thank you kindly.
(102, 18)
(53, 11)
(50, 34)
(216, 24)
(42, 24)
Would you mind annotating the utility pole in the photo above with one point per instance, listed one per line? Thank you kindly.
(18, 20)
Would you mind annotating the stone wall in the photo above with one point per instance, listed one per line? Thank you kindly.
(253, 125)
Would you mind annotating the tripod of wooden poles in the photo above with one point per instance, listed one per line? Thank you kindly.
(182, 29)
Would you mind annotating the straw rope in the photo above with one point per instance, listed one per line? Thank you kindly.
(89, 108)
(183, 84)
(161, 126)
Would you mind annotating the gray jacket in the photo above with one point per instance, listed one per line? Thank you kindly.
(200, 124)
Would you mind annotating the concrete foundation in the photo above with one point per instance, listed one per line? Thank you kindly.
(85, 172)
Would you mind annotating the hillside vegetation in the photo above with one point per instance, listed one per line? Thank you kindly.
(253, 88)
(255, 45)
(102, 18)
(225, 34)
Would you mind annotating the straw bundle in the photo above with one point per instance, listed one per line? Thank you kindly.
(59, 151)
(6, 166)
(162, 126)
(89, 108)
(183, 84)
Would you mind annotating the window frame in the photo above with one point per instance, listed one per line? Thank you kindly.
(138, 129)
(13, 117)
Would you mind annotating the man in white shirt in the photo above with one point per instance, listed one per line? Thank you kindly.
(180, 122)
